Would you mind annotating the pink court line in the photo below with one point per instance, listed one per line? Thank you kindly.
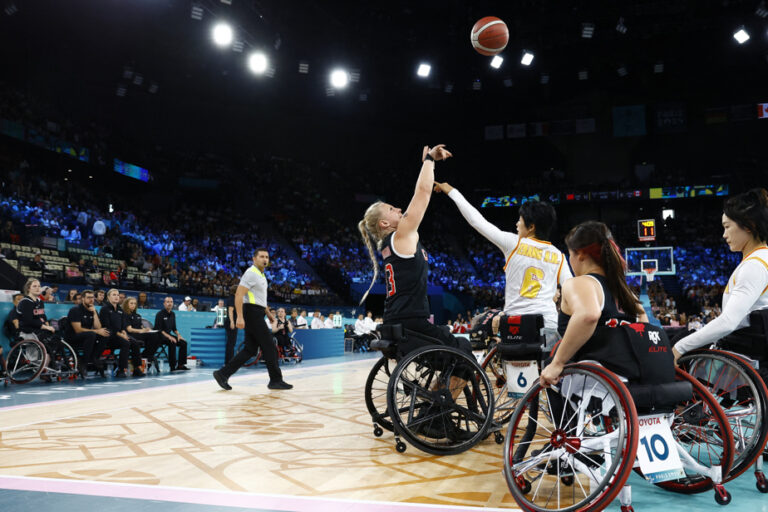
(220, 498)
(151, 388)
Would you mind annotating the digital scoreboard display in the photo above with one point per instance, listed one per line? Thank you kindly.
(646, 230)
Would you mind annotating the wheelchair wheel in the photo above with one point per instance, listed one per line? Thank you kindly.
(26, 361)
(62, 359)
(252, 361)
(741, 393)
(440, 400)
(701, 427)
(376, 393)
(571, 447)
(504, 405)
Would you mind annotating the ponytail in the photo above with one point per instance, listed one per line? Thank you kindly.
(595, 239)
(369, 230)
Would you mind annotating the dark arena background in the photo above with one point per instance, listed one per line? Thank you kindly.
(151, 146)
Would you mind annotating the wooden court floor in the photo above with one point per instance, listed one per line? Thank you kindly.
(313, 441)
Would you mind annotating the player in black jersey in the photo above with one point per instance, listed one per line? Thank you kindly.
(598, 295)
(405, 260)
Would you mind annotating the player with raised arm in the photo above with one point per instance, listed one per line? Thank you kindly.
(534, 267)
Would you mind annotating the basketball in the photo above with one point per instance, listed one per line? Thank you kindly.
(489, 36)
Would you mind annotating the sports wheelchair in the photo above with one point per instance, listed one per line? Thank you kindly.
(574, 445)
(48, 357)
(435, 397)
(734, 371)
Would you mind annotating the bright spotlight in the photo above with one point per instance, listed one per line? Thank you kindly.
(424, 70)
(339, 78)
(741, 36)
(222, 34)
(527, 58)
(257, 62)
(496, 62)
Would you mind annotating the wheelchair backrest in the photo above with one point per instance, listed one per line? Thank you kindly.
(751, 341)
(521, 328)
(639, 352)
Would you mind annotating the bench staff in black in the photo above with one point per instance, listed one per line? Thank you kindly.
(250, 308)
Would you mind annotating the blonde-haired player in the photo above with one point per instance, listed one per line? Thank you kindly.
(534, 267)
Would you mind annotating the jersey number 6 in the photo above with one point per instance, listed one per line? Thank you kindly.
(532, 277)
(390, 279)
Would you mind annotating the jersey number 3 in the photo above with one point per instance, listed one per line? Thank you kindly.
(531, 286)
(390, 279)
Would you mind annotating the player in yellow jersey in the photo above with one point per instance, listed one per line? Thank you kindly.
(534, 267)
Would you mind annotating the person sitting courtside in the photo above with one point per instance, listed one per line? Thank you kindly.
(165, 322)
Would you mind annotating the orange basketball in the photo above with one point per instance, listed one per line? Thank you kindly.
(489, 36)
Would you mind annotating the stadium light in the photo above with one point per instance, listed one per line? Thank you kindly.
(222, 34)
(741, 36)
(424, 70)
(587, 30)
(583, 74)
(339, 78)
(257, 63)
(544, 79)
(497, 61)
(527, 58)
(622, 71)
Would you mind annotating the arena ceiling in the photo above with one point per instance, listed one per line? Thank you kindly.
(77, 55)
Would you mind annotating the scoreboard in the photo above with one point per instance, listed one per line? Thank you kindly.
(646, 230)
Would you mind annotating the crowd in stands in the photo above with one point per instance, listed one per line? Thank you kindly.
(201, 249)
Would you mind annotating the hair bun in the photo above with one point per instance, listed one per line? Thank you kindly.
(761, 195)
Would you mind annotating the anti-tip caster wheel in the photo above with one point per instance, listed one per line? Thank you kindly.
(400, 447)
(377, 431)
(498, 437)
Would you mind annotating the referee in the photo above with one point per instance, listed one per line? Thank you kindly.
(251, 306)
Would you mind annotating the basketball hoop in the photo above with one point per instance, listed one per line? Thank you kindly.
(650, 274)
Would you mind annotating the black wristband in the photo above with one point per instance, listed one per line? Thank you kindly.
(429, 157)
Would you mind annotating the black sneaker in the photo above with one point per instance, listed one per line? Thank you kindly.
(138, 373)
(182, 367)
(279, 385)
(221, 380)
(120, 374)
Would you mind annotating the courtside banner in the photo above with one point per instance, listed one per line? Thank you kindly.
(762, 110)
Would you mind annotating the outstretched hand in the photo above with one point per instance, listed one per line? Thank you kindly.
(445, 188)
(437, 153)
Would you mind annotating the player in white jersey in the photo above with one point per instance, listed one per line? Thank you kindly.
(745, 229)
(534, 267)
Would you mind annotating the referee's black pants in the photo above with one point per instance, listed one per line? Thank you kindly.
(229, 350)
(257, 335)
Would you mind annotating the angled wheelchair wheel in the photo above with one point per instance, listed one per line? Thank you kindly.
(741, 393)
(26, 361)
(376, 392)
(252, 361)
(440, 400)
(702, 429)
(62, 359)
(504, 405)
(572, 446)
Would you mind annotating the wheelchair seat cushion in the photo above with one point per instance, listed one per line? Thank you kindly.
(652, 397)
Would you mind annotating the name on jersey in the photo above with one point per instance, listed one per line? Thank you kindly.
(538, 253)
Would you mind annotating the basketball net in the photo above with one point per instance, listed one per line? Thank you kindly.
(650, 274)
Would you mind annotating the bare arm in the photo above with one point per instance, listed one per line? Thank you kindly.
(407, 229)
(584, 292)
